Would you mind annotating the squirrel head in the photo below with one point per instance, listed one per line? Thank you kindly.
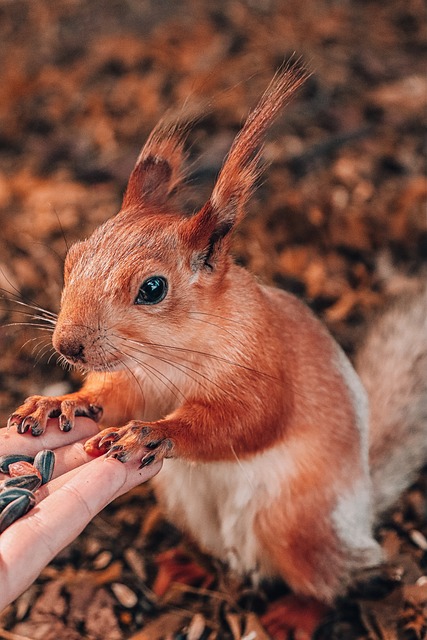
(142, 274)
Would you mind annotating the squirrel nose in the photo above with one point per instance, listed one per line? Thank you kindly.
(72, 350)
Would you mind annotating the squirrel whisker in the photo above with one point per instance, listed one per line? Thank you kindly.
(223, 329)
(205, 355)
(41, 343)
(111, 350)
(157, 374)
(215, 315)
(7, 295)
(43, 351)
(180, 366)
(40, 327)
(28, 315)
(130, 374)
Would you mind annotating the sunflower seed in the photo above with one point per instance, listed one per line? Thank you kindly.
(30, 482)
(45, 462)
(9, 495)
(13, 511)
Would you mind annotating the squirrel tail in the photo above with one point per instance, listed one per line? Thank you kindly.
(392, 364)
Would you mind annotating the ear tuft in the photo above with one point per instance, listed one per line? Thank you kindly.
(208, 232)
(242, 166)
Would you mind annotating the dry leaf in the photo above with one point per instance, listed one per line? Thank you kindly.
(159, 629)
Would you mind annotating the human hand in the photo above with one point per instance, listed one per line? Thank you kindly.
(80, 488)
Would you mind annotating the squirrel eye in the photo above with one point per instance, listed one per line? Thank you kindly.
(152, 291)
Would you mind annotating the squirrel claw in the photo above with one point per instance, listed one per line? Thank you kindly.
(65, 424)
(94, 411)
(108, 439)
(124, 442)
(147, 460)
(36, 429)
(153, 445)
(156, 451)
(102, 442)
(18, 421)
(34, 413)
(117, 452)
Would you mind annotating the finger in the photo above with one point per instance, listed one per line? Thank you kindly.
(70, 457)
(69, 452)
(67, 461)
(13, 442)
(58, 519)
(47, 489)
(66, 458)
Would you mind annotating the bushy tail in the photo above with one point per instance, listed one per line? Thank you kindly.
(393, 367)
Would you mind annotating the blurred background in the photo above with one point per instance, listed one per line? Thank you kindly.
(339, 217)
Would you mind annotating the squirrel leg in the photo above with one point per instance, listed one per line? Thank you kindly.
(100, 397)
(317, 542)
(185, 433)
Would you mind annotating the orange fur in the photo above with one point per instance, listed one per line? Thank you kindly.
(265, 419)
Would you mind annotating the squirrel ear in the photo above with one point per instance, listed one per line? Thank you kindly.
(208, 230)
(206, 234)
(159, 168)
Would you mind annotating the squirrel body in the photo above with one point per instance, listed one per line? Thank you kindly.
(275, 463)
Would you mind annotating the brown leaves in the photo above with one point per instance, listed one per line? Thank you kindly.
(340, 219)
(293, 617)
(175, 565)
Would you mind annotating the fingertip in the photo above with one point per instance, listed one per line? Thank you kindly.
(132, 467)
(130, 472)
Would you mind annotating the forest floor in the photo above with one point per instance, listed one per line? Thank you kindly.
(339, 220)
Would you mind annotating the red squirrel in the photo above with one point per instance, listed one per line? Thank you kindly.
(274, 460)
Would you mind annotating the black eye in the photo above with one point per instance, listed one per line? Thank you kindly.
(152, 290)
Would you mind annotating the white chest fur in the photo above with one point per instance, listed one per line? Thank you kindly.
(217, 503)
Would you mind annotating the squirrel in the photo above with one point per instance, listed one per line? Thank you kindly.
(279, 457)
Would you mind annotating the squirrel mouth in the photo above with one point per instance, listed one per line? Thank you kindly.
(86, 359)
(85, 366)
(103, 367)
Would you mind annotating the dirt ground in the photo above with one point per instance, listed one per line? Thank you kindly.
(339, 219)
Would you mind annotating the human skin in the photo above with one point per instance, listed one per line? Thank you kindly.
(80, 488)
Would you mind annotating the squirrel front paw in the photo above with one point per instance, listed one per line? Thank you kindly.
(34, 413)
(125, 442)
